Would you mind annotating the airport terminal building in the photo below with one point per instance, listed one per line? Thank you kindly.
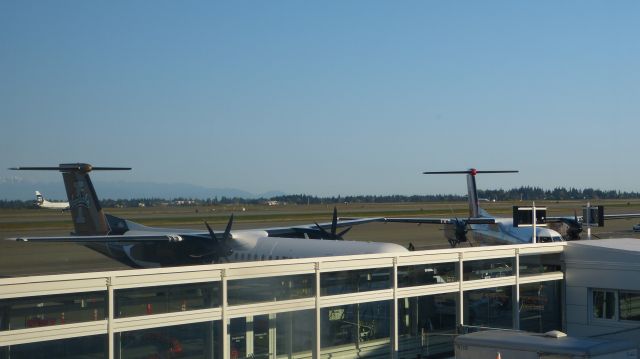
(408, 305)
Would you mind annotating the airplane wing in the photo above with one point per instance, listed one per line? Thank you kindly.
(143, 235)
(606, 216)
(206, 246)
(104, 239)
(573, 224)
(316, 229)
(621, 216)
(457, 230)
(419, 220)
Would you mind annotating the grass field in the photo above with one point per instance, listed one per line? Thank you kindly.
(27, 220)
(27, 258)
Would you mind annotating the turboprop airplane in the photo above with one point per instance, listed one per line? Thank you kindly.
(42, 202)
(489, 230)
(141, 246)
(485, 228)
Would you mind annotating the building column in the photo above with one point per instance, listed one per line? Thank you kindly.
(226, 339)
(273, 333)
(248, 336)
(112, 350)
(394, 314)
(316, 332)
(516, 294)
(460, 301)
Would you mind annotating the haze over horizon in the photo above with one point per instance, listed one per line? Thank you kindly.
(330, 98)
(18, 188)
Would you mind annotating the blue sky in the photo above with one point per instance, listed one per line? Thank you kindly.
(326, 97)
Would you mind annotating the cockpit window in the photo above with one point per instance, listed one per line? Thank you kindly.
(544, 239)
(557, 239)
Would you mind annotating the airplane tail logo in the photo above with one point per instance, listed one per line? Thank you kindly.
(86, 212)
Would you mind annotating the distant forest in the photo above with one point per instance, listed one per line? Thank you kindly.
(522, 193)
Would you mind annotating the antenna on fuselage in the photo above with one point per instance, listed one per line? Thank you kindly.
(471, 173)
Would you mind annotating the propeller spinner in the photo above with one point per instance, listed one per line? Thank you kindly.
(456, 232)
(217, 248)
(570, 228)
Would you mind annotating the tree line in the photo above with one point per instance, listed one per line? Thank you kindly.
(524, 193)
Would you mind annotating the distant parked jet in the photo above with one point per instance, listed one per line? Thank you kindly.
(41, 202)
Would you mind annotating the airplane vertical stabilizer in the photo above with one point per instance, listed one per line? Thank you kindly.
(474, 208)
(86, 212)
(473, 194)
(39, 198)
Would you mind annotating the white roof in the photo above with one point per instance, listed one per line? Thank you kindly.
(505, 339)
(623, 244)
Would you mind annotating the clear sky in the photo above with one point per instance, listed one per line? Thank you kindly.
(325, 97)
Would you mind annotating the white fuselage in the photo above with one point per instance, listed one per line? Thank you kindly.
(503, 232)
(41, 202)
(256, 245)
(53, 205)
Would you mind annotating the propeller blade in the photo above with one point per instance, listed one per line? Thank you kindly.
(343, 233)
(334, 227)
(227, 231)
(334, 222)
(217, 248)
(213, 236)
(325, 234)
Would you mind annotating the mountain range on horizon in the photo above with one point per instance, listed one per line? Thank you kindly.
(16, 188)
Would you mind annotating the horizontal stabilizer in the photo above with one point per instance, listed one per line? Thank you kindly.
(70, 167)
(621, 216)
(472, 171)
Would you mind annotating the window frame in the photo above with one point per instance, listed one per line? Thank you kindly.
(616, 306)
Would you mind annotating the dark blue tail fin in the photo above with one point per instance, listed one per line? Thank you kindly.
(86, 212)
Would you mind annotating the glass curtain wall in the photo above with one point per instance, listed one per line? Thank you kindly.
(198, 340)
(541, 306)
(166, 299)
(426, 325)
(360, 330)
(41, 311)
(489, 307)
(90, 347)
(285, 335)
